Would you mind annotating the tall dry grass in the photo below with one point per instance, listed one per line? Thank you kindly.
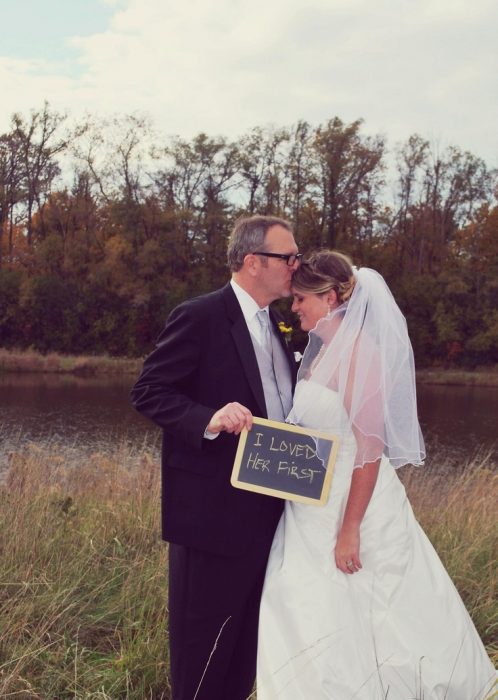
(83, 573)
(83, 579)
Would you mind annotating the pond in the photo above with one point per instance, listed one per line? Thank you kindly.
(86, 415)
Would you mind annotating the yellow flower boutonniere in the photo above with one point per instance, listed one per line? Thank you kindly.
(285, 330)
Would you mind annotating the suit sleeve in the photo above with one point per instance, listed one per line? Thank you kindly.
(165, 390)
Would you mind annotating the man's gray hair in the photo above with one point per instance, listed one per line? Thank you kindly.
(248, 236)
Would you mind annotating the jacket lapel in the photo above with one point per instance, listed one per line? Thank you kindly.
(243, 343)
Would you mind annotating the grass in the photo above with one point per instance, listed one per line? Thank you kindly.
(83, 573)
(83, 579)
(104, 365)
(484, 376)
(82, 365)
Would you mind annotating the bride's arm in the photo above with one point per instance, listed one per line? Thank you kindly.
(367, 426)
(347, 547)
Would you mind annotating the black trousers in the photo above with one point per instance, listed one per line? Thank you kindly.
(213, 622)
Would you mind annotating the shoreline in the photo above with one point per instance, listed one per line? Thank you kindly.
(32, 362)
(458, 377)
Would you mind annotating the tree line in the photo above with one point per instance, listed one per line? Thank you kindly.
(104, 226)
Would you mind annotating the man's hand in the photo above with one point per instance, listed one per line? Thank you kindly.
(232, 418)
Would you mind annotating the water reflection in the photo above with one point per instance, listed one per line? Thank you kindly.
(77, 416)
(461, 420)
(87, 414)
(69, 407)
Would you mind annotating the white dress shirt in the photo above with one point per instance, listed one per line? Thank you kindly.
(249, 309)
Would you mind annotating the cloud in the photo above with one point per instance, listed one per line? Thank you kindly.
(26, 84)
(221, 67)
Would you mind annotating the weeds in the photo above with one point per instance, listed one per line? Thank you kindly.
(83, 572)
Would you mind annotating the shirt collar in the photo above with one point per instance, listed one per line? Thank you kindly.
(248, 305)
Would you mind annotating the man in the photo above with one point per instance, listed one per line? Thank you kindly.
(215, 366)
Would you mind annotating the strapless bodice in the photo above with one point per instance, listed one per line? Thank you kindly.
(320, 408)
(316, 406)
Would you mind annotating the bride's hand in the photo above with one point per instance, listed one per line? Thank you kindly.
(347, 550)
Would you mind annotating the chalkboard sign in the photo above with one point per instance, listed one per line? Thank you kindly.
(279, 459)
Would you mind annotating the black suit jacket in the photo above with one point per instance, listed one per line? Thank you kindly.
(205, 359)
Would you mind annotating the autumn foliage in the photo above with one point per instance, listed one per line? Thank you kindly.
(105, 226)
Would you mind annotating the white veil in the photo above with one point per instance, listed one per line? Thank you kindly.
(362, 350)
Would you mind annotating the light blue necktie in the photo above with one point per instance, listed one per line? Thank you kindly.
(278, 396)
(264, 322)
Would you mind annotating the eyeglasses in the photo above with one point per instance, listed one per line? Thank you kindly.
(289, 259)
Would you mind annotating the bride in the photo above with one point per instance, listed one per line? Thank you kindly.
(356, 603)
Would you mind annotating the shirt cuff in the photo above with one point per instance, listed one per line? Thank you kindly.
(209, 435)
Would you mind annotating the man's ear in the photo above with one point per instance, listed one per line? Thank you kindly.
(250, 264)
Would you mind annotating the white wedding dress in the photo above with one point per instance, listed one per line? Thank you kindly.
(396, 630)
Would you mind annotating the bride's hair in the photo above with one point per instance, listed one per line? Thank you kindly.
(325, 270)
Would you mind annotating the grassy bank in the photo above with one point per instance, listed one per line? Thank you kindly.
(103, 365)
(82, 365)
(83, 574)
(459, 377)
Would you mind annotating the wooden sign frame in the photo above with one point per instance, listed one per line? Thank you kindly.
(290, 458)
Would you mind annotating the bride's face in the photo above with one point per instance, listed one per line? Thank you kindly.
(311, 307)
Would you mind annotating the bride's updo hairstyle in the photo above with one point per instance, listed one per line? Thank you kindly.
(325, 270)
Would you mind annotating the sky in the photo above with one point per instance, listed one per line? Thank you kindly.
(224, 66)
